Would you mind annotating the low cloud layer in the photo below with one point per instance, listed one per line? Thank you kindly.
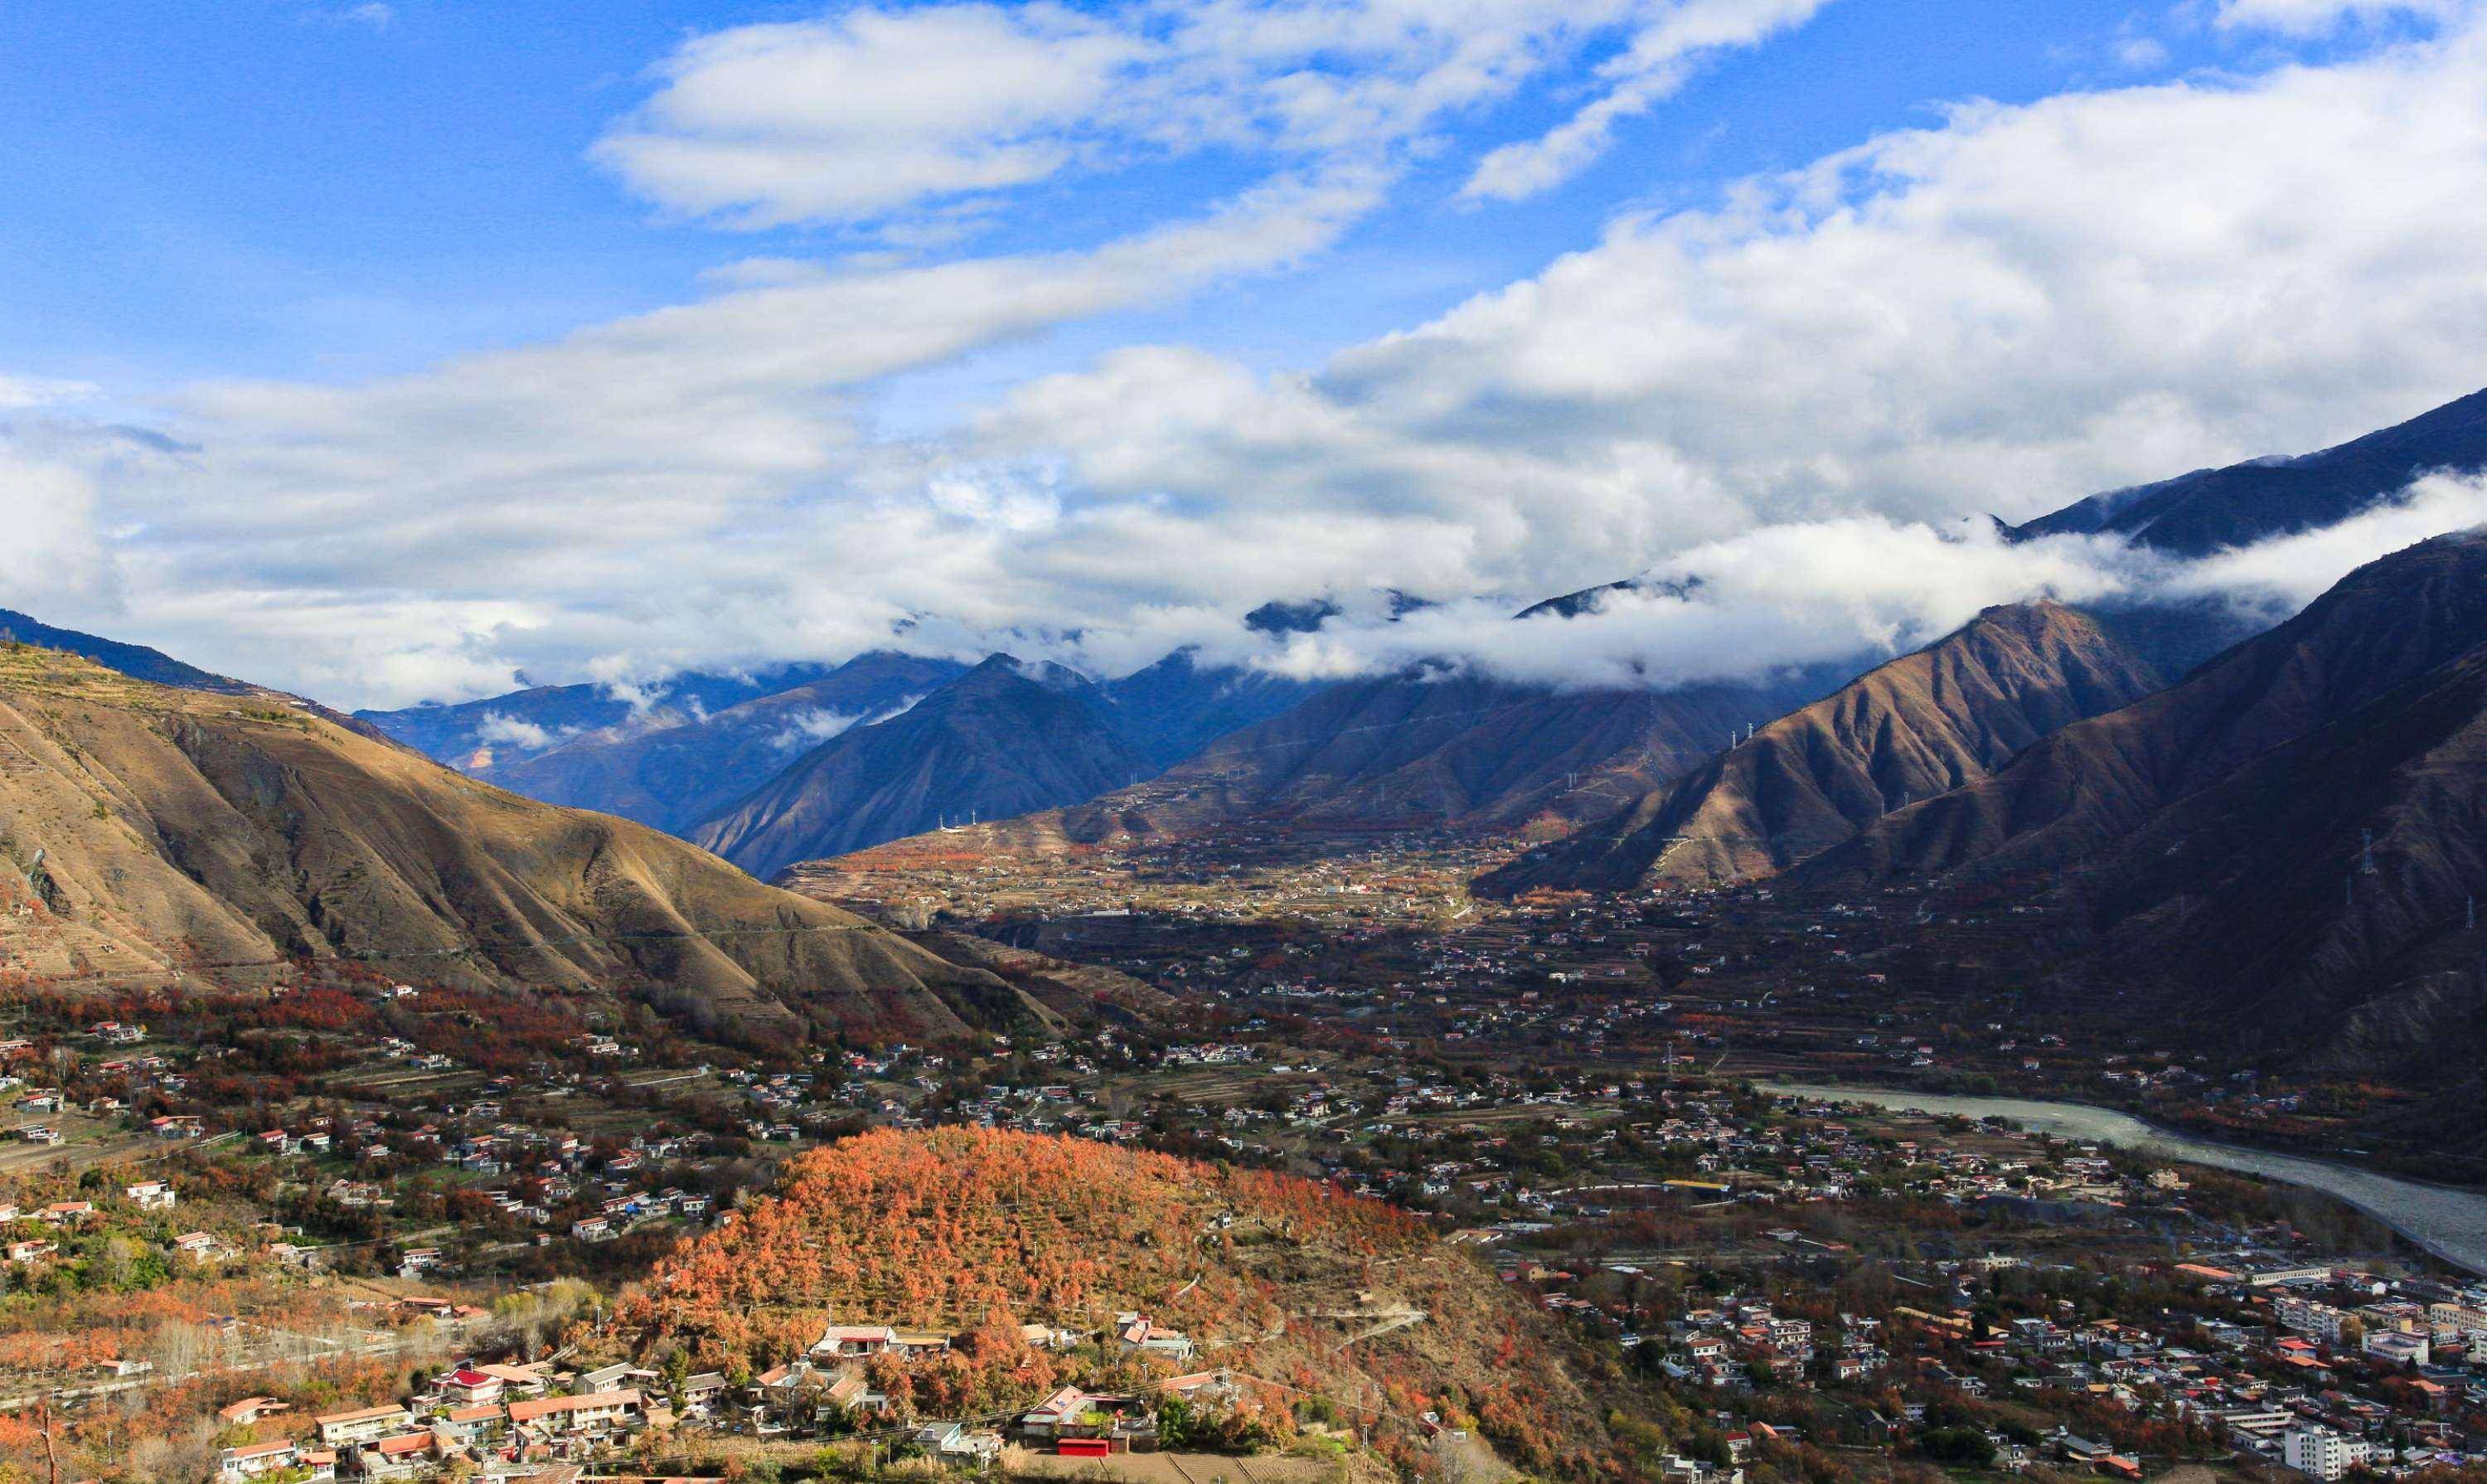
(1809, 593)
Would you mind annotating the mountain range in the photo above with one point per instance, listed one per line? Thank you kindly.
(477, 735)
(2289, 819)
(2288, 840)
(679, 776)
(810, 759)
(1006, 737)
(151, 832)
(1414, 751)
(1918, 727)
(2197, 514)
(2098, 780)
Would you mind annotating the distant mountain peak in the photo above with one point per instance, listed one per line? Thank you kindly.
(1908, 729)
(2279, 494)
(1281, 618)
(1000, 666)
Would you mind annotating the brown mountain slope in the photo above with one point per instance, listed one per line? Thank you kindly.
(2198, 513)
(2262, 894)
(1925, 724)
(1293, 1287)
(168, 830)
(2094, 783)
(1003, 738)
(1412, 752)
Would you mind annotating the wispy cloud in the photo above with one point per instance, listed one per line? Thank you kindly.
(1650, 69)
(501, 729)
(872, 110)
(1862, 587)
(371, 13)
(2317, 17)
(21, 392)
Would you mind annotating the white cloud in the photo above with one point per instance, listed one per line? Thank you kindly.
(371, 13)
(1651, 69)
(2001, 312)
(870, 110)
(866, 110)
(18, 392)
(2283, 574)
(1780, 595)
(53, 554)
(805, 729)
(2140, 53)
(2316, 17)
(503, 730)
(1812, 592)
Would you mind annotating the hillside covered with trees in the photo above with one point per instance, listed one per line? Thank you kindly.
(1321, 1304)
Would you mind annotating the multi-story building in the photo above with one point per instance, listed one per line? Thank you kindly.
(2317, 1321)
(2321, 1452)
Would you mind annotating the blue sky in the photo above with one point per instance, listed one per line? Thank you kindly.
(332, 251)
(225, 187)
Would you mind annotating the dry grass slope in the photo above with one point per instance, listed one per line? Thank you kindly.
(222, 835)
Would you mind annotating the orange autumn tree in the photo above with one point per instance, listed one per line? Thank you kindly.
(974, 1232)
(962, 1227)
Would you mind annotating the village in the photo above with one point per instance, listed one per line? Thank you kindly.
(438, 1187)
(539, 1420)
(1816, 1275)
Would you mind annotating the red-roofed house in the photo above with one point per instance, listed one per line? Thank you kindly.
(597, 1412)
(469, 1388)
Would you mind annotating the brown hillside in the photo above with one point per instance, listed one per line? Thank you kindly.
(2095, 782)
(2262, 895)
(1403, 752)
(976, 1232)
(182, 832)
(1921, 725)
(1004, 738)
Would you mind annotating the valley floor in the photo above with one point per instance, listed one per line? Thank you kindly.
(371, 1178)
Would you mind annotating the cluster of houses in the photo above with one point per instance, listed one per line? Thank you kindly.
(27, 1245)
(829, 1388)
(500, 1417)
(2289, 1358)
(479, 1413)
(2257, 1382)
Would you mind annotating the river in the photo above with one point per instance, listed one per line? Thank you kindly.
(2448, 1222)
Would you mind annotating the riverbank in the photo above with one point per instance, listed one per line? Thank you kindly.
(2446, 1220)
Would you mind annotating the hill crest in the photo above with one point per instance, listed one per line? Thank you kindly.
(164, 832)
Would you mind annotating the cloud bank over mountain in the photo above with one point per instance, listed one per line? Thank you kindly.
(1796, 388)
